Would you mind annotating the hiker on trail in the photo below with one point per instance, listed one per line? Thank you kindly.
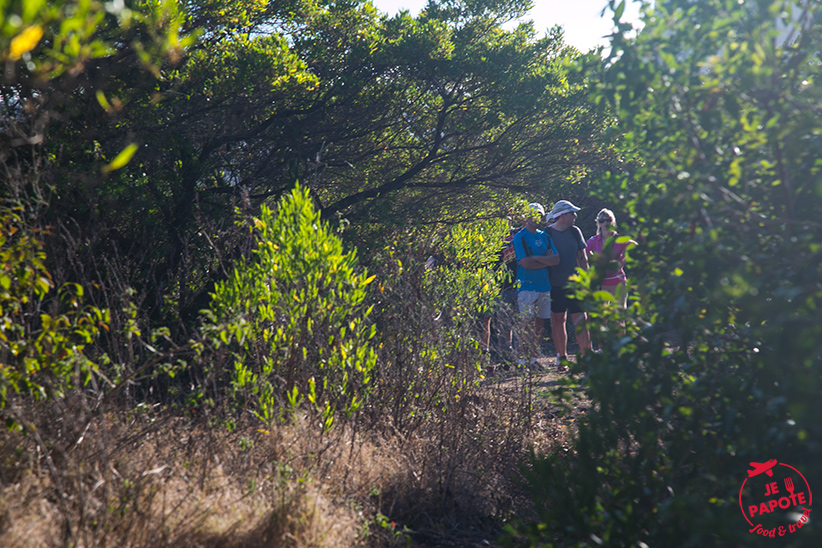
(506, 304)
(535, 252)
(604, 247)
(504, 316)
(570, 245)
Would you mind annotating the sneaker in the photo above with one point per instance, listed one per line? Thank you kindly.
(560, 364)
(527, 362)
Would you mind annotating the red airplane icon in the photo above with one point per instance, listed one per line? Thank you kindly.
(759, 467)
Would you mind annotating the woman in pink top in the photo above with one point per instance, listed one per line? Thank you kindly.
(614, 281)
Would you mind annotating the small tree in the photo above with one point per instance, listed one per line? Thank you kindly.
(292, 318)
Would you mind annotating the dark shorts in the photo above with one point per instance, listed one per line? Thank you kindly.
(561, 302)
(509, 296)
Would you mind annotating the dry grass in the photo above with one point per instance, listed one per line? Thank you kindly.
(158, 479)
(171, 482)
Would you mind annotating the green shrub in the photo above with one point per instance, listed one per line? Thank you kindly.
(459, 433)
(292, 318)
(41, 352)
(428, 318)
(467, 279)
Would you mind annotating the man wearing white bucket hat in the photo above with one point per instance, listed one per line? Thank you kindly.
(570, 245)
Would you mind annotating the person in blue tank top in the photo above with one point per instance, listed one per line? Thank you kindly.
(535, 253)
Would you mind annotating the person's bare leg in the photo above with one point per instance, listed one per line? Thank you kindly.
(485, 343)
(558, 332)
(581, 331)
(538, 323)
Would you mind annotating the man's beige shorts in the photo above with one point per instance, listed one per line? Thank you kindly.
(534, 304)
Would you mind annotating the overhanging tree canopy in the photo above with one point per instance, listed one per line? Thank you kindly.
(394, 119)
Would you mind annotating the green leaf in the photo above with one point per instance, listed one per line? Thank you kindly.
(122, 159)
(620, 9)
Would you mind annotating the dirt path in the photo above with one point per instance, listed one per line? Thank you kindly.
(554, 421)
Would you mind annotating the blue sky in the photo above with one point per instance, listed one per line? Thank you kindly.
(584, 28)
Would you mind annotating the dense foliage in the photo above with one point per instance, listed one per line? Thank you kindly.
(719, 116)
(385, 120)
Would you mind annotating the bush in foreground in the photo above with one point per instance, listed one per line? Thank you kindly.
(720, 362)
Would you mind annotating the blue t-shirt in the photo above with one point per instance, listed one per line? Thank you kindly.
(528, 244)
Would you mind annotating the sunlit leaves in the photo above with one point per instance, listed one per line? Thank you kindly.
(41, 354)
(247, 66)
(55, 37)
(25, 42)
(121, 159)
(468, 278)
(293, 313)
